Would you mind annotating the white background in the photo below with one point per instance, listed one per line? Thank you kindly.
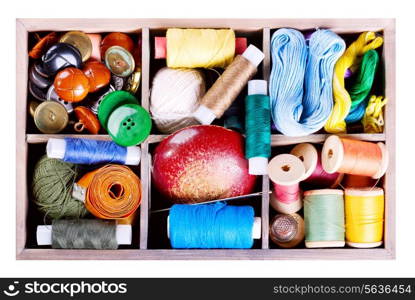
(401, 10)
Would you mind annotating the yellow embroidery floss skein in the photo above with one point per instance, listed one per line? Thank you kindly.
(373, 118)
(364, 210)
(349, 60)
(200, 48)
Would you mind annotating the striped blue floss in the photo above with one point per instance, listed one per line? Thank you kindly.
(301, 79)
(210, 226)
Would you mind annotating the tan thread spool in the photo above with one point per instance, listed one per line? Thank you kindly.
(287, 231)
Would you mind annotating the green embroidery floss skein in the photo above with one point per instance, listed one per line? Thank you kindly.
(324, 218)
(257, 127)
(52, 189)
(362, 85)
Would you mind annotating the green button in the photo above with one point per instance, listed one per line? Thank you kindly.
(129, 125)
(112, 101)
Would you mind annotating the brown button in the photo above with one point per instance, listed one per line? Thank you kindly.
(71, 84)
(87, 120)
(43, 44)
(119, 61)
(98, 75)
(51, 117)
(116, 39)
(79, 40)
(32, 107)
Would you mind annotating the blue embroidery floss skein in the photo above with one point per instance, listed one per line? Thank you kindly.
(301, 79)
(87, 151)
(258, 127)
(210, 226)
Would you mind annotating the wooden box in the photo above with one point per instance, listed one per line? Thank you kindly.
(29, 144)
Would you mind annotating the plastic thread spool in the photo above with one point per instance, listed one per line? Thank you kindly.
(364, 210)
(71, 85)
(315, 176)
(51, 117)
(286, 171)
(225, 90)
(324, 218)
(354, 157)
(287, 231)
(79, 40)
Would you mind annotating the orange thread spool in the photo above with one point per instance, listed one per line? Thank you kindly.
(112, 192)
(354, 157)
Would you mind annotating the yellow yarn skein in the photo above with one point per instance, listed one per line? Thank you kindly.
(373, 119)
(349, 60)
(364, 210)
(200, 48)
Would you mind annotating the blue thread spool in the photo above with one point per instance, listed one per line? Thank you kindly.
(87, 151)
(214, 226)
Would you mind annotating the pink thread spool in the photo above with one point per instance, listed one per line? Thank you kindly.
(315, 176)
(286, 171)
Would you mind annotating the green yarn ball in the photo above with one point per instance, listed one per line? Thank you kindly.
(53, 180)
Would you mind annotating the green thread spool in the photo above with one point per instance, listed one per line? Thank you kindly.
(324, 218)
(53, 180)
(257, 127)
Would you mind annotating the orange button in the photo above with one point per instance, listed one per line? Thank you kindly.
(98, 75)
(116, 39)
(71, 85)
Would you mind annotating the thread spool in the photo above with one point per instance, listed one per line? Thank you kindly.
(364, 209)
(324, 218)
(84, 234)
(227, 87)
(258, 128)
(175, 95)
(212, 226)
(87, 151)
(356, 181)
(286, 171)
(354, 157)
(110, 192)
(315, 176)
(287, 231)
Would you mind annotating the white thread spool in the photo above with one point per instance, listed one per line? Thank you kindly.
(175, 95)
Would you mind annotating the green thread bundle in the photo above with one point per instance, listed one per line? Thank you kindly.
(52, 185)
(362, 85)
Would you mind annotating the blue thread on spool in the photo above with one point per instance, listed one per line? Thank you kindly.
(210, 226)
(87, 151)
(301, 79)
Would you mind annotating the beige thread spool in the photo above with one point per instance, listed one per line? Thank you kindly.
(287, 231)
(286, 170)
(227, 87)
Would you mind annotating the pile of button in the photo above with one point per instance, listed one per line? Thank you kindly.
(72, 74)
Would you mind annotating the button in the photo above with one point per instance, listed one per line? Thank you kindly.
(96, 45)
(52, 96)
(111, 102)
(119, 61)
(133, 82)
(61, 56)
(93, 100)
(43, 45)
(37, 79)
(39, 69)
(118, 82)
(129, 125)
(36, 92)
(51, 117)
(32, 107)
(71, 84)
(79, 40)
(86, 120)
(116, 39)
(97, 74)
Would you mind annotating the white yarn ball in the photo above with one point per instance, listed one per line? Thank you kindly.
(175, 95)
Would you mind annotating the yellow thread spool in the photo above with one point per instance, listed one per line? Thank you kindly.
(200, 48)
(364, 209)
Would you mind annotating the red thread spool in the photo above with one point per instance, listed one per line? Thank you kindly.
(354, 157)
(286, 171)
(315, 176)
(356, 181)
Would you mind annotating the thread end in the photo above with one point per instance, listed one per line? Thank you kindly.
(55, 148)
(133, 156)
(254, 55)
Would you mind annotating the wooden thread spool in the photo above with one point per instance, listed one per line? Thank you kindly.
(354, 157)
(315, 176)
(320, 230)
(364, 209)
(287, 231)
(286, 171)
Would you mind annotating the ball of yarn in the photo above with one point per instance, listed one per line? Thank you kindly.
(175, 95)
(52, 189)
